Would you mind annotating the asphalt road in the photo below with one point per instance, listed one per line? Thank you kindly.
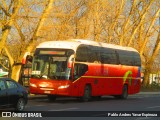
(140, 102)
(102, 109)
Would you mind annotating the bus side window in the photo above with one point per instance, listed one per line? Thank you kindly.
(79, 70)
(94, 54)
(125, 57)
(82, 54)
(108, 56)
(137, 59)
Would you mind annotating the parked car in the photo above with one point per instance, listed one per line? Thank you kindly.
(12, 94)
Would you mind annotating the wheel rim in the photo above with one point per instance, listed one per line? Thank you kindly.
(87, 94)
(125, 92)
(20, 105)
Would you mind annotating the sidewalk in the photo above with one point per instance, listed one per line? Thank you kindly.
(149, 93)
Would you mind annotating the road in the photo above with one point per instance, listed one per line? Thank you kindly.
(141, 102)
(107, 105)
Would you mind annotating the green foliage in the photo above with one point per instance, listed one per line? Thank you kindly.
(155, 85)
(151, 88)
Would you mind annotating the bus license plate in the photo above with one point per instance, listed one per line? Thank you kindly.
(47, 92)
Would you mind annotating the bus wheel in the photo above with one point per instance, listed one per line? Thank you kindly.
(87, 94)
(52, 97)
(124, 92)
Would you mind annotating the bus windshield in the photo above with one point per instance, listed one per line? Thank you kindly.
(51, 66)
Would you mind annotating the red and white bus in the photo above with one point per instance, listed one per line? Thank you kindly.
(85, 69)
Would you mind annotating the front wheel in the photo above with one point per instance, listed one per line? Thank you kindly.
(20, 105)
(87, 94)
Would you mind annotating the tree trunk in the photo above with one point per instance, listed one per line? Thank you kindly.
(146, 78)
(16, 69)
(16, 72)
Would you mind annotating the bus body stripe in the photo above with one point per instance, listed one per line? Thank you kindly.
(134, 78)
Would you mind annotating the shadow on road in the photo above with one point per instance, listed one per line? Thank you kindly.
(65, 100)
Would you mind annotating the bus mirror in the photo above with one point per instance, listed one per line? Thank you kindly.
(70, 61)
(26, 57)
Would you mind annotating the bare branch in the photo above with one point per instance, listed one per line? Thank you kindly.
(20, 32)
(5, 11)
(148, 31)
(141, 21)
(9, 24)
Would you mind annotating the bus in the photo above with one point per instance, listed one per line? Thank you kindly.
(25, 72)
(85, 69)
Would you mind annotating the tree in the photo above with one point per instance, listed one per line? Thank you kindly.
(7, 19)
(8, 15)
(126, 22)
(33, 40)
(150, 62)
(25, 44)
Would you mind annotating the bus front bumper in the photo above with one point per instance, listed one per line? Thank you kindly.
(61, 90)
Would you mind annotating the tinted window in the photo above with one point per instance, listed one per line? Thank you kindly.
(97, 54)
(2, 85)
(94, 54)
(11, 84)
(82, 54)
(108, 56)
(137, 59)
(79, 70)
(126, 57)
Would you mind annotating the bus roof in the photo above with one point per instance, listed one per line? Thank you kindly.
(74, 43)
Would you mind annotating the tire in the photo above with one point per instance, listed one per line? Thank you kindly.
(124, 92)
(52, 97)
(87, 94)
(20, 105)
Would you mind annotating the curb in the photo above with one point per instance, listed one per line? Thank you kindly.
(148, 93)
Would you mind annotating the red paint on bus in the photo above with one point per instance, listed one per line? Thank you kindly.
(102, 79)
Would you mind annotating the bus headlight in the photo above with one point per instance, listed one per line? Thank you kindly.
(33, 85)
(63, 86)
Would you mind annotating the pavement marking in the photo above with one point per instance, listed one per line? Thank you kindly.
(153, 107)
(65, 109)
